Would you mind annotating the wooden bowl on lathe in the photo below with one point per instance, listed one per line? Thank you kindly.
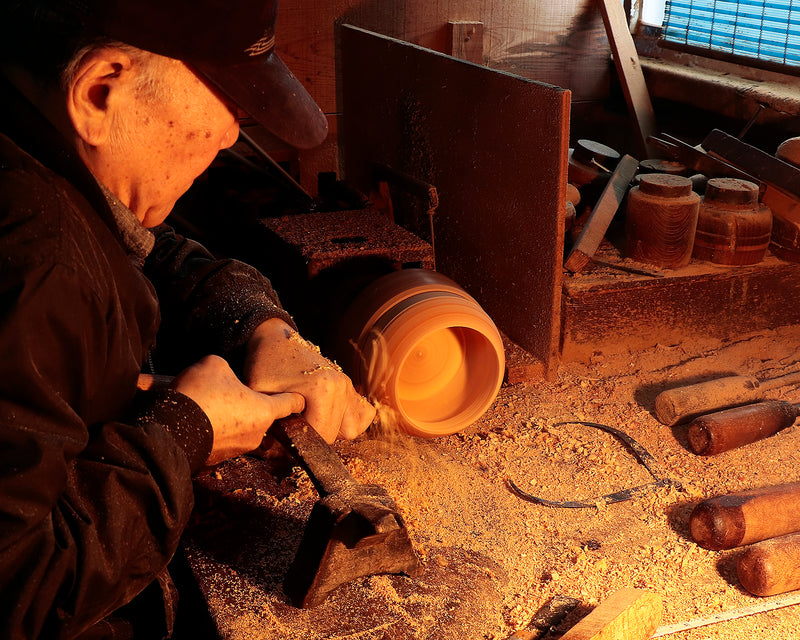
(424, 351)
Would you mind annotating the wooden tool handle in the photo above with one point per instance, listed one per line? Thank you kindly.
(780, 381)
(772, 566)
(308, 448)
(722, 431)
(737, 519)
(596, 226)
(683, 403)
(149, 381)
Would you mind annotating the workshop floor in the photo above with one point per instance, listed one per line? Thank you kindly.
(492, 559)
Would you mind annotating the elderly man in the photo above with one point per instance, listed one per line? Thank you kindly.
(111, 108)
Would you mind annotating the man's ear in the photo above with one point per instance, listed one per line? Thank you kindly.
(99, 88)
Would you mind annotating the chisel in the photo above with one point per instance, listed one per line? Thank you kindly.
(682, 403)
(722, 431)
(737, 519)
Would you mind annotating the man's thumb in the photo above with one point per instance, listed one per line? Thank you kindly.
(287, 403)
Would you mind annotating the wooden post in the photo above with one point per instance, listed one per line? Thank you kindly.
(466, 40)
(626, 60)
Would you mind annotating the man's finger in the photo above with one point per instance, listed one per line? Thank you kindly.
(325, 418)
(285, 404)
(357, 419)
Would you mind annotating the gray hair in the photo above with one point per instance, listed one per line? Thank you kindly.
(150, 68)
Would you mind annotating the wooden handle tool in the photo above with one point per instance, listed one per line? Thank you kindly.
(722, 431)
(771, 566)
(682, 403)
(600, 218)
(737, 519)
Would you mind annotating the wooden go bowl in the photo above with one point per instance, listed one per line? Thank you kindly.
(425, 350)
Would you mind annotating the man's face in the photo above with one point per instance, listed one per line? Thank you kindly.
(164, 139)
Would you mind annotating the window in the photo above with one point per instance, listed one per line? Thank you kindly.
(763, 30)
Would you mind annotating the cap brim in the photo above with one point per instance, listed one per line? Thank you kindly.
(267, 91)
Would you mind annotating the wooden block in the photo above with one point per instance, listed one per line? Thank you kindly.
(629, 614)
(596, 226)
(617, 313)
(466, 40)
(521, 366)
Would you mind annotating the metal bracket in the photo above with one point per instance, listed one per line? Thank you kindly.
(423, 191)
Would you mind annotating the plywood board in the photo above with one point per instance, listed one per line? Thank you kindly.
(552, 41)
(495, 147)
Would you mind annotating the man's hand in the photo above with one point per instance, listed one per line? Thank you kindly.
(239, 416)
(279, 360)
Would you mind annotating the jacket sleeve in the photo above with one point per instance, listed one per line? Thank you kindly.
(208, 305)
(92, 504)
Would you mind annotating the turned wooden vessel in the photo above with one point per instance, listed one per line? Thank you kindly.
(424, 351)
(733, 228)
(661, 217)
(789, 151)
(591, 162)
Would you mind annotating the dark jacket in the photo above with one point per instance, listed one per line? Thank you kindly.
(95, 479)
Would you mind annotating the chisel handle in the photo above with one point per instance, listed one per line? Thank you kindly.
(149, 381)
(772, 566)
(317, 458)
(722, 431)
(737, 519)
(309, 449)
(680, 404)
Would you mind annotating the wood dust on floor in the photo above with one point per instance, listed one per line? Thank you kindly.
(491, 558)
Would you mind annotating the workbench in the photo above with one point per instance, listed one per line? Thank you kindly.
(606, 310)
(491, 559)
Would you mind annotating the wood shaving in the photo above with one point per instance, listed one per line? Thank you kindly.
(491, 559)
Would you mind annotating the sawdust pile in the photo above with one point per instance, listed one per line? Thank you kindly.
(491, 558)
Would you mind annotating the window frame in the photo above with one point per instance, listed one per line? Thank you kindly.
(651, 39)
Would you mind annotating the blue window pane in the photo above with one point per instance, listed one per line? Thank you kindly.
(761, 29)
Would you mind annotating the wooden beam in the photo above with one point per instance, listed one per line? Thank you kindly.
(626, 61)
(629, 614)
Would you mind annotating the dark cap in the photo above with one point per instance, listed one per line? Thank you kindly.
(230, 42)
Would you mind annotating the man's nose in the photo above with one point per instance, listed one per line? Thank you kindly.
(230, 136)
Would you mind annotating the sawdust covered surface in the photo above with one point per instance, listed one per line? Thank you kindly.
(491, 558)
